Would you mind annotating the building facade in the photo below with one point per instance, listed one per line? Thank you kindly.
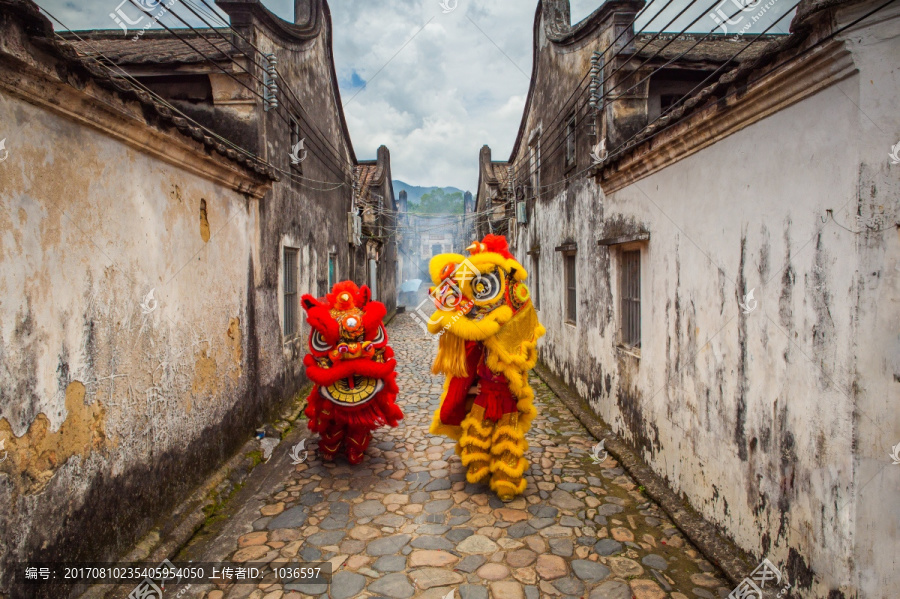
(714, 264)
(160, 221)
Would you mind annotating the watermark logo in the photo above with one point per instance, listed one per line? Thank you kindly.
(449, 6)
(5, 453)
(148, 589)
(448, 296)
(598, 152)
(895, 152)
(599, 453)
(149, 304)
(295, 452)
(148, 7)
(721, 19)
(296, 149)
(753, 586)
(4, 153)
(449, 595)
(749, 304)
(894, 456)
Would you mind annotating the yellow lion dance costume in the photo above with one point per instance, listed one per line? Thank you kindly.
(488, 342)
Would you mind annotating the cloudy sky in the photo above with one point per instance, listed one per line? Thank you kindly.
(434, 86)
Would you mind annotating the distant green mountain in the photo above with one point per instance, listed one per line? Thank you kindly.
(414, 193)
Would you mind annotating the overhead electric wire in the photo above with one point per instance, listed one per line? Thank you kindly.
(289, 90)
(658, 52)
(567, 179)
(578, 87)
(143, 88)
(623, 146)
(339, 172)
(560, 136)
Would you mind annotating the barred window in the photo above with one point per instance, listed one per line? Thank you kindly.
(290, 292)
(631, 298)
(571, 289)
(536, 276)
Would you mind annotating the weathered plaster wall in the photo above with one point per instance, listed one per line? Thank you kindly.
(113, 403)
(776, 425)
(306, 211)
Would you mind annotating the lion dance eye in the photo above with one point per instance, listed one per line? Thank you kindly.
(486, 287)
(318, 343)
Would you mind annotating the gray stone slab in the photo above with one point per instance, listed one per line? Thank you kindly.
(569, 585)
(472, 591)
(387, 545)
(441, 484)
(338, 522)
(433, 542)
(519, 530)
(368, 509)
(589, 571)
(608, 547)
(543, 511)
(438, 506)
(657, 562)
(458, 534)
(608, 509)
(294, 517)
(321, 539)
(345, 585)
(612, 589)
(470, 563)
(562, 547)
(390, 563)
(394, 586)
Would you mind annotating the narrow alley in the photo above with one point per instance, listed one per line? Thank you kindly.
(655, 245)
(405, 523)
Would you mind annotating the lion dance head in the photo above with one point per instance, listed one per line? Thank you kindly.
(352, 368)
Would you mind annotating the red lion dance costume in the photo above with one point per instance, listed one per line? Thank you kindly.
(352, 367)
(488, 342)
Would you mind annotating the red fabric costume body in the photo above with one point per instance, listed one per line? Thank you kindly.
(495, 396)
(352, 367)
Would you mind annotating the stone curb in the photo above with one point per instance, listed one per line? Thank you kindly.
(718, 549)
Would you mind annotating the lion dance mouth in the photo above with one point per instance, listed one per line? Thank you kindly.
(352, 368)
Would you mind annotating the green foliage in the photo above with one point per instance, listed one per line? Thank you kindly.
(438, 201)
(256, 458)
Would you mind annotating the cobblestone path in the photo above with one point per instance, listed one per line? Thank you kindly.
(405, 523)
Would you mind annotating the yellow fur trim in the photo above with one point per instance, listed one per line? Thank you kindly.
(507, 430)
(507, 489)
(470, 330)
(498, 465)
(476, 476)
(508, 447)
(484, 431)
(451, 356)
(468, 457)
(513, 354)
(466, 441)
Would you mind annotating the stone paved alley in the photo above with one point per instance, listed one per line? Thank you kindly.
(405, 523)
